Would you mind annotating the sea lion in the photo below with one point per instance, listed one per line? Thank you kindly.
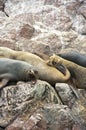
(75, 57)
(46, 73)
(58, 66)
(77, 72)
(42, 55)
(14, 70)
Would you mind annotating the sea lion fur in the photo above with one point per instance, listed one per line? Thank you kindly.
(14, 70)
(77, 72)
(75, 57)
(46, 72)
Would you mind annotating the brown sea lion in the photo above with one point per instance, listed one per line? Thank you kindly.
(58, 66)
(14, 70)
(77, 72)
(42, 55)
(75, 57)
(46, 73)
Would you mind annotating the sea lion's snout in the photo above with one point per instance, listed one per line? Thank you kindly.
(33, 76)
(34, 72)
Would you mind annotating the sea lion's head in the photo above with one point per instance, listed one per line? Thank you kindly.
(32, 75)
(57, 63)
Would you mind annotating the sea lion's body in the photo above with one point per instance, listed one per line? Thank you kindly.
(75, 57)
(14, 70)
(77, 72)
(46, 73)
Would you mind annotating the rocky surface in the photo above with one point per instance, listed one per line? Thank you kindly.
(51, 24)
(44, 26)
(16, 99)
(39, 107)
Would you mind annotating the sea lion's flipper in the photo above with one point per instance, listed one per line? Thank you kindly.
(3, 83)
(5, 78)
(58, 66)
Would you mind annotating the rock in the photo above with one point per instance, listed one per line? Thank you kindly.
(50, 2)
(82, 10)
(66, 94)
(34, 108)
(79, 24)
(16, 99)
(50, 15)
(72, 7)
(50, 116)
(48, 27)
(50, 43)
(6, 42)
(15, 30)
(2, 7)
(34, 122)
(50, 22)
(69, 98)
(26, 31)
(79, 43)
(82, 93)
(34, 46)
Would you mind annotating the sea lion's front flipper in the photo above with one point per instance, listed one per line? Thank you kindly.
(58, 65)
(61, 68)
(3, 83)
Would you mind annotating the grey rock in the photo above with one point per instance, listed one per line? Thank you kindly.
(49, 117)
(16, 99)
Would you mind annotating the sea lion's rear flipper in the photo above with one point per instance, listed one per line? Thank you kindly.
(3, 83)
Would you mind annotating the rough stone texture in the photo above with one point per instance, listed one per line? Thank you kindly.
(44, 26)
(49, 117)
(26, 107)
(57, 23)
(26, 31)
(16, 99)
(68, 97)
(66, 94)
(6, 42)
(2, 4)
(31, 46)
